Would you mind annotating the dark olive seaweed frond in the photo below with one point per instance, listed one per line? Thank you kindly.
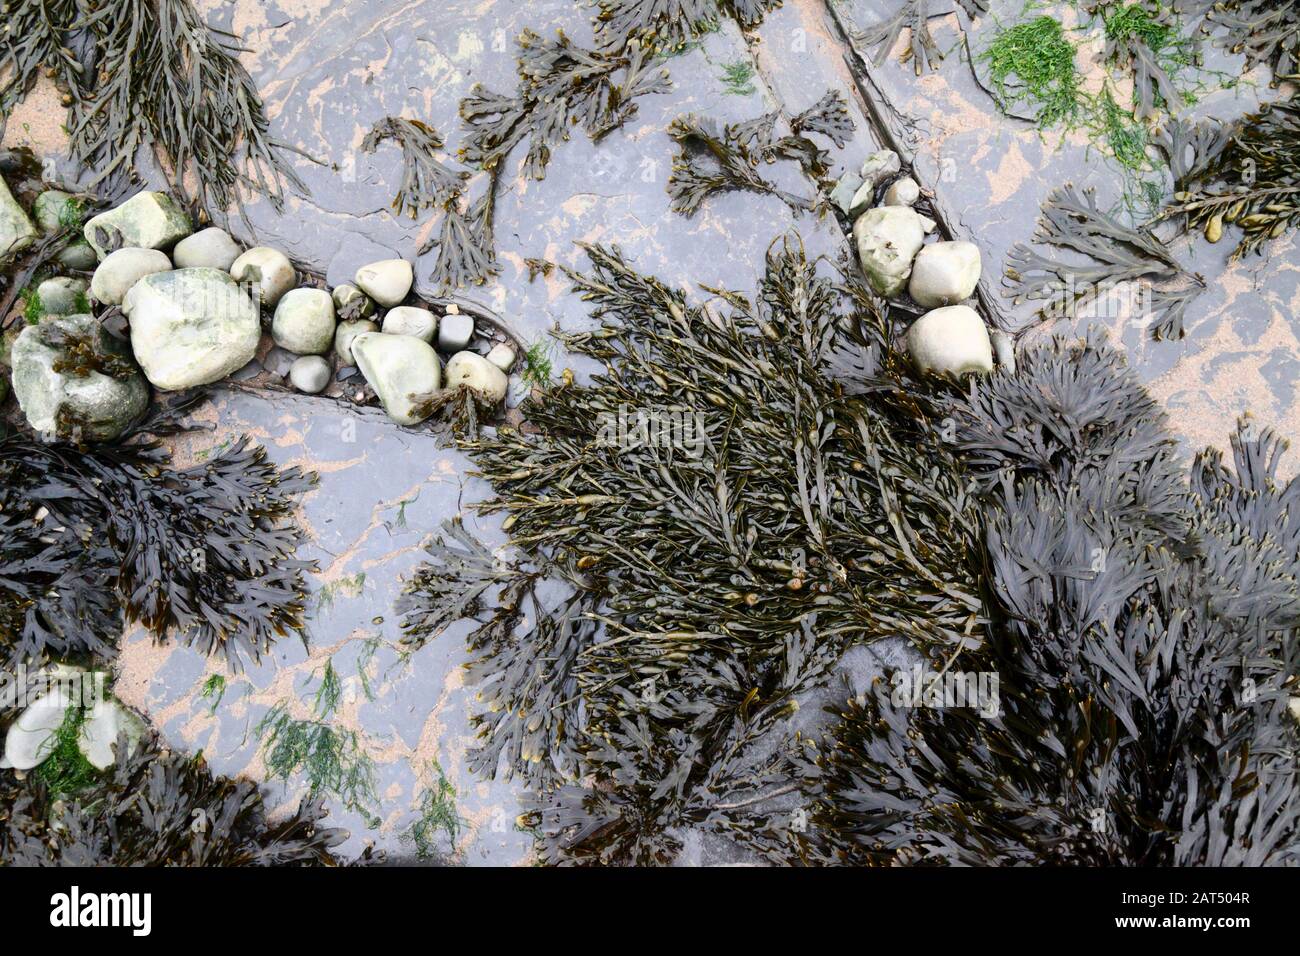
(668, 25)
(205, 553)
(560, 85)
(1266, 31)
(1247, 174)
(166, 80)
(710, 578)
(913, 16)
(1142, 36)
(157, 808)
(829, 116)
(465, 244)
(1121, 261)
(425, 181)
(1190, 147)
(451, 585)
(37, 35)
(1145, 655)
(712, 160)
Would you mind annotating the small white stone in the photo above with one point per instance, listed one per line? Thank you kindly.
(454, 332)
(98, 736)
(945, 273)
(928, 224)
(310, 374)
(210, 248)
(387, 281)
(862, 200)
(846, 188)
(348, 330)
(410, 320)
(304, 322)
(902, 192)
(122, 269)
(473, 370)
(950, 341)
(502, 355)
(31, 736)
(269, 270)
(1004, 348)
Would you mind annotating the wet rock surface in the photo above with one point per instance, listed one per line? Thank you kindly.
(328, 72)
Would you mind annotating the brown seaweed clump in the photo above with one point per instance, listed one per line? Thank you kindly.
(98, 535)
(701, 584)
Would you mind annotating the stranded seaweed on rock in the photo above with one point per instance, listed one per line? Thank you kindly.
(1143, 625)
(727, 518)
(102, 791)
(1031, 524)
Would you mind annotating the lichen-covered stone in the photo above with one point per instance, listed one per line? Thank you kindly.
(55, 210)
(148, 220)
(64, 295)
(17, 231)
(401, 369)
(304, 322)
(99, 405)
(888, 239)
(191, 327)
(78, 255)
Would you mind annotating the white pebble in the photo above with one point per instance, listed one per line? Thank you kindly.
(454, 332)
(473, 370)
(270, 272)
(902, 192)
(502, 355)
(410, 320)
(950, 341)
(310, 374)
